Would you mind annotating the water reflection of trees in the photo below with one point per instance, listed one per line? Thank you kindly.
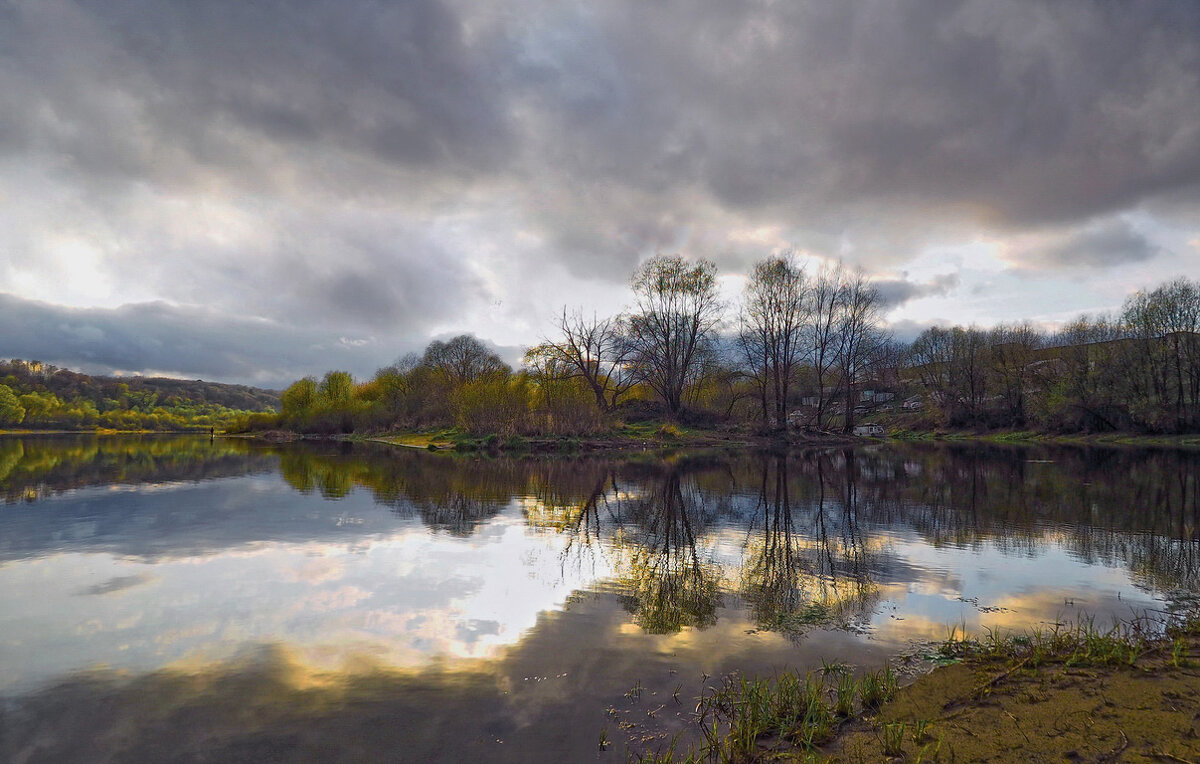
(449, 495)
(679, 532)
(815, 528)
(1131, 507)
(798, 538)
(810, 563)
(666, 585)
(35, 467)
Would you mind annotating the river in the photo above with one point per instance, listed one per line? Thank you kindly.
(175, 598)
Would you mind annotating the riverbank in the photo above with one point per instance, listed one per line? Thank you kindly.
(628, 438)
(108, 431)
(1068, 695)
(1034, 437)
(639, 437)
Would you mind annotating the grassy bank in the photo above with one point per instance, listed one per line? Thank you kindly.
(659, 435)
(1080, 693)
(1068, 693)
(1032, 436)
(639, 436)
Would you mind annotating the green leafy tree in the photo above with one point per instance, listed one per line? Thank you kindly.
(336, 389)
(11, 410)
(299, 397)
(39, 406)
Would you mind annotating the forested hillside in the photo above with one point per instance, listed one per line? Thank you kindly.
(34, 395)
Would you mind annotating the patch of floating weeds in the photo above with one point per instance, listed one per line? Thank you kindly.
(635, 692)
(666, 753)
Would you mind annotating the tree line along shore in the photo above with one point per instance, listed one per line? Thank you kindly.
(801, 352)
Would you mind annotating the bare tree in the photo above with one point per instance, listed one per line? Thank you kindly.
(859, 336)
(931, 357)
(825, 298)
(1165, 323)
(770, 336)
(1012, 358)
(594, 350)
(754, 363)
(1092, 385)
(462, 359)
(676, 313)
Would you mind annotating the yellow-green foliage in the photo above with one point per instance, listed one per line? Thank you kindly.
(38, 396)
(333, 405)
(11, 410)
(337, 389)
(565, 407)
(300, 396)
(44, 410)
(493, 401)
(668, 431)
(493, 404)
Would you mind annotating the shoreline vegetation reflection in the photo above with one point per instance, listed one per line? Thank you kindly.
(810, 522)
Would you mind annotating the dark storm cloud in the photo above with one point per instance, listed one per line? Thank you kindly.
(842, 115)
(1112, 244)
(1014, 111)
(176, 92)
(178, 341)
(338, 167)
(896, 292)
(1098, 245)
(363, 273)
(908, 330)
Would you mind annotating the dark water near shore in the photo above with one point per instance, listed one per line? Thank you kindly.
(175, 599)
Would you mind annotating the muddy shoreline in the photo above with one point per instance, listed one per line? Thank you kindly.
(1142, 706)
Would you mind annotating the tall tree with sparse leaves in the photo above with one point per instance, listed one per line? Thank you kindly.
(770, 336)
(676, 313)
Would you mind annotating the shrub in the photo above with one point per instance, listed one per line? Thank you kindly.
(493, 404)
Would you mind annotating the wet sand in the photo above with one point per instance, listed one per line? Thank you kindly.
(977, 711)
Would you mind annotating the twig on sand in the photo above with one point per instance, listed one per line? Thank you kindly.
(978, 691)
(1169, 757)
(1116, 752)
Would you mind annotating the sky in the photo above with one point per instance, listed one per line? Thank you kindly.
(255, 191)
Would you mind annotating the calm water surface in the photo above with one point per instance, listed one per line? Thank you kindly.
(175, 599)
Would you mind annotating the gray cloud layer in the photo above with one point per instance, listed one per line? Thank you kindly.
(1110, 243)
(894, 292)
(367, 169)
(185, 342)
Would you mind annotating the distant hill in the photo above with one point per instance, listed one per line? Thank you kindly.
(34, 376)
(36, 395)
